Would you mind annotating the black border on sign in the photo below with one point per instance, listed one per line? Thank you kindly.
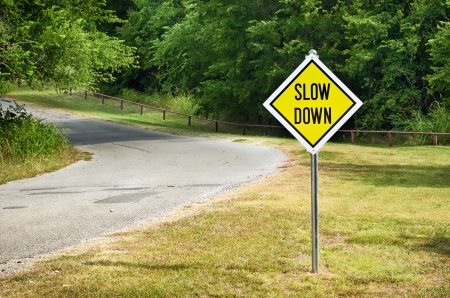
(335, 123)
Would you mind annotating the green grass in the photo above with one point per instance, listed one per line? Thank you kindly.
(12, 169)
(438, 120)
(384, 232)
(182, 103)
(28, 146)
(130, 115)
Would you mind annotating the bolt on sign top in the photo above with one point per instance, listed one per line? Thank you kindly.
(312, 103)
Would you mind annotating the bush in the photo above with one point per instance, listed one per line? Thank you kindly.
(23, 136)
(164, 100)
(437, 120)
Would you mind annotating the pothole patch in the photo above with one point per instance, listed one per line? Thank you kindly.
(204, 185)
(53, 193)
(15, 207)
(124, 188)
(127, 198)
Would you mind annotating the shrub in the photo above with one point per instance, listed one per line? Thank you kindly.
(23, 136)
(437, 120)
(165, 100)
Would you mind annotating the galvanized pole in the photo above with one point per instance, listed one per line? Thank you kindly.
(315, 211)
(315, 204)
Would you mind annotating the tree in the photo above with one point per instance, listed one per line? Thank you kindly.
(440, 49)
(233, 54)
(389, 57)
(143, 28)
(207, 53)
(58, 42)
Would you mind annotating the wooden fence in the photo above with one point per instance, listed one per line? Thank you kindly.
(266, 127)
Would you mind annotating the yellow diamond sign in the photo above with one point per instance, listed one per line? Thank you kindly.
(312, 103)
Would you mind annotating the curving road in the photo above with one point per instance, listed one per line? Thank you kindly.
(138, 174)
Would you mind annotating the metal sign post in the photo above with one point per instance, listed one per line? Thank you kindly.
(315, 211)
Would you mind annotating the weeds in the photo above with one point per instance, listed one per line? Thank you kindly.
(23, 136)
(181, 103)
(437, 120)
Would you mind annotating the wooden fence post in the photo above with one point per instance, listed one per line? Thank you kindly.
(85, 94)
(435, 139)
(142, 109)
(352, 137)
(391, 141)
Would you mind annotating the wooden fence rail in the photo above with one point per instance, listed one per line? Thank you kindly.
(266, 127)
(391, 133)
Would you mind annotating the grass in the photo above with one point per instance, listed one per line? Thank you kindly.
(130, 115)
(28, 146)
(19, 169)
(384, 232)
(438, 120)
(182, 103)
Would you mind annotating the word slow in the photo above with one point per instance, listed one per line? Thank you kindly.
(313, 92)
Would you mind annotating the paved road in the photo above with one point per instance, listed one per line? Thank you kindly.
(139, 174)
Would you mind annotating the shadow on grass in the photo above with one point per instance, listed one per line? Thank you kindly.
(392, 175)
(437, 244)
(140, 265)
(412, 234)
(174, 267)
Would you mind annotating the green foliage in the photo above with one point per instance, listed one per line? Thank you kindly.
(155, 99)
(388, 57)
(233, 54)
(207, 53)
(23, 136)
(181, 103)
(440, 49)
(144, 27)
(184, 104)
(437, 120)
(58, 42)
(119, 8)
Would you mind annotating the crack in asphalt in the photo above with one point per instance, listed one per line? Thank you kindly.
(131, 147)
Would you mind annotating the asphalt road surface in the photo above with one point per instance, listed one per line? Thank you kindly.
(135, 176)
